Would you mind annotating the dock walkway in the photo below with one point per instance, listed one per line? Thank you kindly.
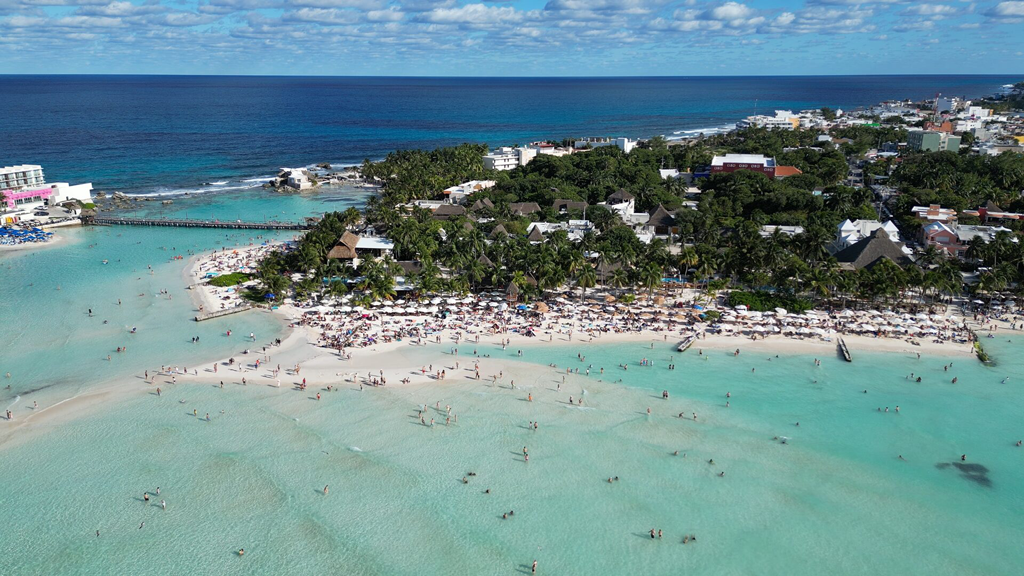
(176, 223)
(224, 312)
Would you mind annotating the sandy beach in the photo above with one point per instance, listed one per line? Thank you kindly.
(54, 241)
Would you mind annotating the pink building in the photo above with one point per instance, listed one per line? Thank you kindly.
(944, 238)
(25, 198)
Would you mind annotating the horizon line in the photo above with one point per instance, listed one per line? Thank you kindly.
(581, 77)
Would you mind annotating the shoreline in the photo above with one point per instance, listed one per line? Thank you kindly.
(55, 240)
(322, 367)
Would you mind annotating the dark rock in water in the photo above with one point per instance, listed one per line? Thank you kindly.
(969, 471)
(324, 165)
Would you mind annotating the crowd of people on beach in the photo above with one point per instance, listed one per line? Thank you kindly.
(229, 261)
(341, 327)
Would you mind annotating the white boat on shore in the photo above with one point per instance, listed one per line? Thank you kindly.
(686, 343)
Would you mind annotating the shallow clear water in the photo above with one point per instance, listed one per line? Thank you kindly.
(51, 342)
(835, 499)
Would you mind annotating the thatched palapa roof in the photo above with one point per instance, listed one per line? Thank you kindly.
(345, 248)
(871, 251)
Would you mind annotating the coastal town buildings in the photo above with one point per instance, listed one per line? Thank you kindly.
(991, 211)
(459, 193)
(934, 213)
(21, 177)
(849, 232)
(24, 192)
(753, 162)
(355, 248)
(768, 230)
(932, 141)
(574, 228)
(954, 240)
(508, 157)
(782, 120)
(624, 144)
(869, 251)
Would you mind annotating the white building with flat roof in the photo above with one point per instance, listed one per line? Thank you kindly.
(21, 177)
(624, 144)
(783, 120)
(508, 158)
(457, 194)
(64, 192)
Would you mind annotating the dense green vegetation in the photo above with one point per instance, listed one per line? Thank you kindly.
(960, 182)
(717, 245)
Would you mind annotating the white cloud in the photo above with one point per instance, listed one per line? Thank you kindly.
(909, 26)
(729, 18)
(357, 4)
(1012, 11)
(327, 16)
(476, 14)
(823, 20)
(621, 6)
(392, 14)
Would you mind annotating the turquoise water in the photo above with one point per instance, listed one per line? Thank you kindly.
(55, 350)
(834, 499)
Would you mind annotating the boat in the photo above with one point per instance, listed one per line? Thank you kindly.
(844, 350)
(686, 343)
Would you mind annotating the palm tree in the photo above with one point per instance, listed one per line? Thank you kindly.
(620, 278)
(650, 278)
(275, 284)
(687, 259)
(820, 282)
(586, 278)
(336, 288)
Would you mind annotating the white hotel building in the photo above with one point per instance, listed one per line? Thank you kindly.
(21, 177)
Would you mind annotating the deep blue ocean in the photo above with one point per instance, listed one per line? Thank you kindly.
(173, 133)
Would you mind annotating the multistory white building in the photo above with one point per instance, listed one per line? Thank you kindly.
(947, 104)
(783, 120)
(507, 158)
(21, 177)
(624, 144)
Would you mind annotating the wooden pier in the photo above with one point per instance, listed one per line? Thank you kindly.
(844, 350)
(174, 223)
(224, 312)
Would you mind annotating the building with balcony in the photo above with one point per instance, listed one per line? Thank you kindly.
(508, 158)
(20, 177)
(932, 141)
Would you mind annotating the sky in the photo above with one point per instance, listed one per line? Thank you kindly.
(511, 37)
